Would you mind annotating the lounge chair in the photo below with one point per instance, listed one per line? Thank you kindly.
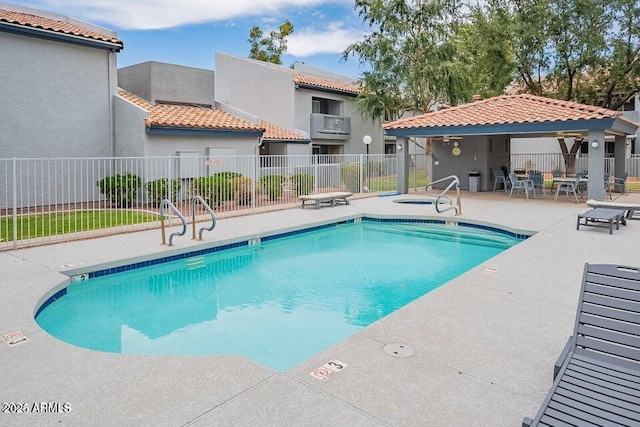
(331, 199)
(597, 377)
(521, 184)
(631, 209)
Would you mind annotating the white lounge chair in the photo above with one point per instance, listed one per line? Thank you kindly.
(335, 198)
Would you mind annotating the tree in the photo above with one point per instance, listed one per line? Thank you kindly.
(269, 49)
(409, 56)
(586, 51)
(484, 44)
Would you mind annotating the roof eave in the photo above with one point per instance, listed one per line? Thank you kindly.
(58, 36)
(194, 131)
(505, 128)
(287, 141)
(326, 89)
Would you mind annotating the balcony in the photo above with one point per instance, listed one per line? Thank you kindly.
(326, 126)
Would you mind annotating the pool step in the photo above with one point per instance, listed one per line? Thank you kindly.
(450, 233)
(194, 263)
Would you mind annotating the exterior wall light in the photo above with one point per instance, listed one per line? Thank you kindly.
(594, 144)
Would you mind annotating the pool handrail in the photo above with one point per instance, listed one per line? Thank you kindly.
(193, 217)
(168, 204)
(454, 181)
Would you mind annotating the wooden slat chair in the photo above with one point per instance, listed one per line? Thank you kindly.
(597, 377)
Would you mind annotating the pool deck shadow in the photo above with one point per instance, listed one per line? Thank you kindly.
(484, 343)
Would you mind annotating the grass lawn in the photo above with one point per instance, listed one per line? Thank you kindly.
(51, 224)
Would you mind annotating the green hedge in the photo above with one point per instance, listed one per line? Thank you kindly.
(241, 188)
(122, 190)
(273, 185)
(159, 189)
(351, 176)
(215, 189)
(303, 183)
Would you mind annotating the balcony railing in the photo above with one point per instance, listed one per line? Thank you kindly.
(326, 126)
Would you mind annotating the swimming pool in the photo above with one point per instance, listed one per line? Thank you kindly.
(277, 302)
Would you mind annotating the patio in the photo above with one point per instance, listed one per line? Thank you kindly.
(484, 343)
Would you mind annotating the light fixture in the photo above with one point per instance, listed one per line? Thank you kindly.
(367, 140)
(594, 144)
(399, 147)
(456, 143)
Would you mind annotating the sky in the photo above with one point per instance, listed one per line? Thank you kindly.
(189, 32)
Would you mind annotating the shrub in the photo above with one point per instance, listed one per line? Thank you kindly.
(215, 189)
(302, 183)
(121, 190)
(241, 187)
(272, 185)
(159, 189)
(351, 176)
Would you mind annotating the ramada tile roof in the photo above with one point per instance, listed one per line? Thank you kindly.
(54, 25)
(276, 133)
(166, 115)
(507, 109)
(303, 79)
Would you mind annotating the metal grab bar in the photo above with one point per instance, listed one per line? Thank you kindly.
(455, 181)
(167, 203)
(193, 217)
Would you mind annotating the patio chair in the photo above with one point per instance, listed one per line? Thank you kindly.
(538, 181)
(607, 185)
(556, 174)
(569, 187)
(620, 184)
(499, 178)
(597, 377)
(521, 184)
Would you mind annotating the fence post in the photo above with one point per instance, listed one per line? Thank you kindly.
(170, 179)
(361, 173)
(254, 172)
(15, 203)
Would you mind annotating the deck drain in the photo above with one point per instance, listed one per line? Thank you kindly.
(398, 350)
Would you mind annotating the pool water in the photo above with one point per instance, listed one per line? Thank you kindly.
(278, 302)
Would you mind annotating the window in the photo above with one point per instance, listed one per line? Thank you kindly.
(326, 106)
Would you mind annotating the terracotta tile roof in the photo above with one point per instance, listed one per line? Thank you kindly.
(273, 132)
(305, 80)
(180, 116)
(507, 109)
(54, 25)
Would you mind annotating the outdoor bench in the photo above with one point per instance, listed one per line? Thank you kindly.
(332, 199)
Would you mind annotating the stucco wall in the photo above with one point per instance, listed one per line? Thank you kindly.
(168, 82)
(261, 89)
(129, 128)
(55, 99)
(168, 145)
(473, 156)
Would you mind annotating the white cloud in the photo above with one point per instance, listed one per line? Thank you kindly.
(158, 14)
(334, 39)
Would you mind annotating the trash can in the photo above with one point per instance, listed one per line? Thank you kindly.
(474, 181)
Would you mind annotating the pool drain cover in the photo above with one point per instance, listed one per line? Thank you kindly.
(398, 350)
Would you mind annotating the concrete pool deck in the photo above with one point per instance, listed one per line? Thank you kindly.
(485, 342)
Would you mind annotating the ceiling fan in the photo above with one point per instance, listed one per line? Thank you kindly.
(446, 138)
(570, 135)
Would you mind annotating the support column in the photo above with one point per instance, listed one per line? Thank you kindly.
(620, 151)
(403, 164)
(595, 186)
